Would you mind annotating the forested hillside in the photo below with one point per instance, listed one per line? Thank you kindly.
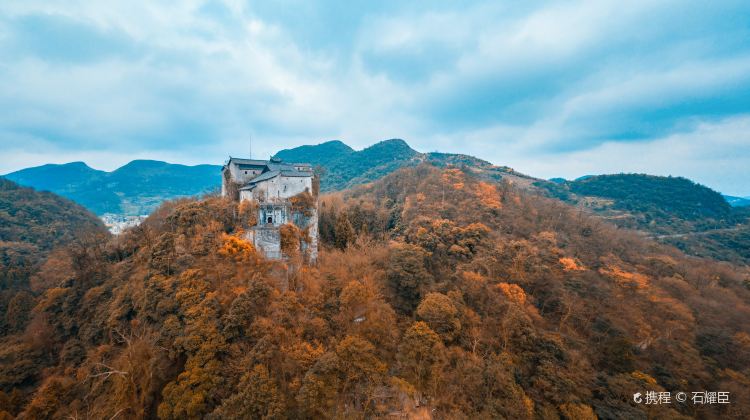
(42, 219)
(34, 229)
(436, 295)
(673, 210)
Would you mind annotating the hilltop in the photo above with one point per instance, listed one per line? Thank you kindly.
(342, 167)
(436, 294)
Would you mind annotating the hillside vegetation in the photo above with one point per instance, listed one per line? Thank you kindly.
(673, 210)
(436, 295)
(33, 226)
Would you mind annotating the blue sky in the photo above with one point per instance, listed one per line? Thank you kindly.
(560, 88)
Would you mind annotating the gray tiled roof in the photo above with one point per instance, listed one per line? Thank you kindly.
(253, 162)
(264, 176)
(271, 170)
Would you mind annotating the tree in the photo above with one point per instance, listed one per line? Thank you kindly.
(441, 315)
(19, 309)
(361, 370)
(193, 394)
(407, 276)
(419, 353)
(258, 398)
(343, 231)
(245, 308)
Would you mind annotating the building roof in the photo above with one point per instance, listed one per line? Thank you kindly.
(271, 169)
(253, 162)
(301, 174)
(287, 166)
(264, 177)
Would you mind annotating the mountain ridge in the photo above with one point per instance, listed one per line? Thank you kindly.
(135, 188)
(693, 217)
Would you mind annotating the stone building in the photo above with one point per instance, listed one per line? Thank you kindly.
(283, 193)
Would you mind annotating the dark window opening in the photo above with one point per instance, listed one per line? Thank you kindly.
(270, 219)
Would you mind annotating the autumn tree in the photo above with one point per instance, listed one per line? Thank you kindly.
(257, 397)
(418, 355)
(441, 315)
(343, 232)
(407, 275)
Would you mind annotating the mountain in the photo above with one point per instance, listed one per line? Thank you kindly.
(737, 201)
(318, 155)
(140, 186)
(437, 294)
(342, 167)
(673, 210)
(134, 189)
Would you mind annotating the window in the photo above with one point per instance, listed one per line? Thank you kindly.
(245, 172)
(270, 219)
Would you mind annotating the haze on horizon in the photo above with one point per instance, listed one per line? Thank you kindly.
(549, 88)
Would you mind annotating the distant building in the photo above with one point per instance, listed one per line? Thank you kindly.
(117, 223)
(283, 193)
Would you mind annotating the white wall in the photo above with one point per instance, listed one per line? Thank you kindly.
(278, 188)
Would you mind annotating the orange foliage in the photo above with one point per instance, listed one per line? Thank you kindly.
(473, 277)
(290, 238)
(513, 292)
(454, 177)
(238, 290)
(625, 278)
(237, 249)
(488, 195)
(571, 264)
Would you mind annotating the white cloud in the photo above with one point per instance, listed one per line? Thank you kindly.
(714, 154)
(533, 85)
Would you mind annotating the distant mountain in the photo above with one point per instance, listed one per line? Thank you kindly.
(343, 167)
(674, 210)
(141, 185)
(136, 188)
(737, 201)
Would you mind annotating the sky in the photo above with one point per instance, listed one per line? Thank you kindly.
(552, 89)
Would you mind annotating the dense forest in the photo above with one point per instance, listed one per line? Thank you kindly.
(32, 224)
(436, 295)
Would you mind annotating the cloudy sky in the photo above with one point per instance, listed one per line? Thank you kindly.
(562, 88)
